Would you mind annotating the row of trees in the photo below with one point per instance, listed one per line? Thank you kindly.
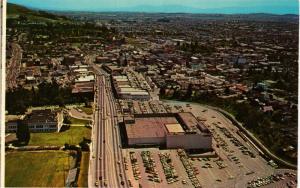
(46, 93)
(23, 133)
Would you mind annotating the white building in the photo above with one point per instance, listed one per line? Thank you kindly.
(39, 121)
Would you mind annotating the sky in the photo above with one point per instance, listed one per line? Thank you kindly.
(191, 6)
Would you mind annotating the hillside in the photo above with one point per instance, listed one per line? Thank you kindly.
(14, 11)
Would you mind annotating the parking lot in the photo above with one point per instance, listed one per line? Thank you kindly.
(148, 163)
(238, 161)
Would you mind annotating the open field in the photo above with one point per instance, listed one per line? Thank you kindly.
(74, 135)
(84, 168)
(36, 169)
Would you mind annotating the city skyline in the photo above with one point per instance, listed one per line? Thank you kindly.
(167, 6)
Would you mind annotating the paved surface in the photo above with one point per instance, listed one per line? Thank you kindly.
(13, 66)
(106, 165)
(107, 156)
(259, 144)
(79, 115)
(144, 182)
(235, 174)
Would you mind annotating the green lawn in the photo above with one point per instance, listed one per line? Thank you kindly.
(84, 167)
(36, 169)
(74, 135)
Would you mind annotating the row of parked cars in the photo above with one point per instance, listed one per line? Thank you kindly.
(220, 141)
(168, 167)
(236, 142)
(135, 166)
(263, 181)
(150, 166)
(191, 171)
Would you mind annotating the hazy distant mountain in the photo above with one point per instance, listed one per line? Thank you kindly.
(227, 10)
(14, 10)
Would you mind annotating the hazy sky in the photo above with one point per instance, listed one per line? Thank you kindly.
(221, 6)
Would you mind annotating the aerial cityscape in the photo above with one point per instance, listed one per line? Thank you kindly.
(163, 97)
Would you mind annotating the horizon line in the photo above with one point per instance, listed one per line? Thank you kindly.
(154, 12)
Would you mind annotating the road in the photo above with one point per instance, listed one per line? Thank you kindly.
(106, 165)
(13, 66)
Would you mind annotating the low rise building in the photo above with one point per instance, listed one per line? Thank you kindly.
(125, 90)
(39, 121)
(170, 130)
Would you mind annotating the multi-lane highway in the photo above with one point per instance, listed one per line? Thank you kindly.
(13, 66)
(106, 166)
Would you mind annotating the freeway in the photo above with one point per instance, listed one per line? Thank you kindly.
(13, 66)
(106, 165)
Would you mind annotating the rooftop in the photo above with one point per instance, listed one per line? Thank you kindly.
(40, 116)
(174, 128)
(159, 125)
(148, 127)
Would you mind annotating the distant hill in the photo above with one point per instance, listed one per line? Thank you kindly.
(14, 10)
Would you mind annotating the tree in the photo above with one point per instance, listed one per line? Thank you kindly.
(227, 91)
(23, 133)
(189, 92)
(162, 91)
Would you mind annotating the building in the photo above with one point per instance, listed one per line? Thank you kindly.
(39, 121)
(112, 69)
(179, 130)
(84, 79)
(127, 89)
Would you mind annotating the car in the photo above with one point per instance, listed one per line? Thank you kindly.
(105, 184)
(130, 184)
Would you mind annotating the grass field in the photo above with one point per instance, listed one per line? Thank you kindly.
(84, 167)
(74, 135)
(36, 169)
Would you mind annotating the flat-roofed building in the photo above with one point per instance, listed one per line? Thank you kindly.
(112, 69)
(126, 91)
(170, 130)
(174, 128)
(39, 121)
